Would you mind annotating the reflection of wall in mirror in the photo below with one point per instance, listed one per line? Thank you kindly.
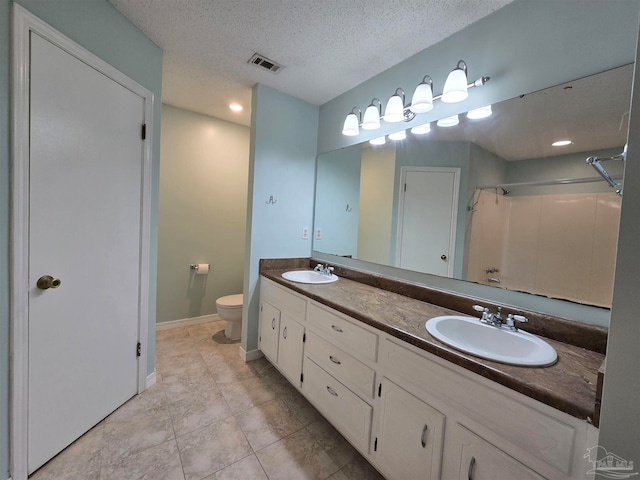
(558, 245)
(376, 204)
(337, 197)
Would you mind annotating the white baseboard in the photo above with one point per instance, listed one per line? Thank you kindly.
(185, 322)
(250, 355)
(150, 381)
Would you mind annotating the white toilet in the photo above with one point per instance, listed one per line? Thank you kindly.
(230, 309)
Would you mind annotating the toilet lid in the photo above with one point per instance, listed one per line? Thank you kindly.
(230, 300)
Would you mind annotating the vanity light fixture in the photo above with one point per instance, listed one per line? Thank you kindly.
(401, 135)
(371, 120)
(236, 107)
(561, 143)
(422, 101)
(352, 122)
(455, 90)
(421, 129)
(455, 87)
(378, 141)
(480, 113)
(451, 121)
(394, 112)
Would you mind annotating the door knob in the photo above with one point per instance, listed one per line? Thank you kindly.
(443, 257)
(47, 281)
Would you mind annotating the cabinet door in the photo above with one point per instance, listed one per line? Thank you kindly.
(411, 436)
(480, 460)
(269, 331)
(290, 349)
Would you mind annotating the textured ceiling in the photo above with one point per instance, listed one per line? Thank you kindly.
(326, 46)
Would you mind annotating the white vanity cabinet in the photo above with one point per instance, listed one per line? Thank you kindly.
(412, 414)
(281, 329)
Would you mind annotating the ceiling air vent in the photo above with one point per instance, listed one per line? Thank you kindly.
(264, 62)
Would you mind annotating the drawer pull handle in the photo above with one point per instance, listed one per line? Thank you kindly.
(332, 391)
(273, 323)
(472, 465)
(284, 333)
(337, 329)
(423, 438)
(337, 362)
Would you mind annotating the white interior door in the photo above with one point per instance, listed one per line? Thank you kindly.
(428, 211)
(85, 196)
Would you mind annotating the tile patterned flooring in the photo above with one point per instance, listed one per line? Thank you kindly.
(210, 416)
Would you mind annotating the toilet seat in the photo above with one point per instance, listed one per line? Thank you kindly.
(230, 301)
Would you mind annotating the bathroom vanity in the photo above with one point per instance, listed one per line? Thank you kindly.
(414, 407)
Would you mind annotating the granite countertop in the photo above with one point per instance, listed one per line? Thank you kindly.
(569, 385)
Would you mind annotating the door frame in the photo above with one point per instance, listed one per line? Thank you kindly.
(454, 211)
(23, 24)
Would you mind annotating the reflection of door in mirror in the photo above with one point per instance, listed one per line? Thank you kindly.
(427, 219)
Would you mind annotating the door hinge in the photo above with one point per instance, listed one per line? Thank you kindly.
(138, 349)
(304, 337)
(380, 390)
(302, 377)
(143, 133)
(405, 187)
(375, 445)
(260, 307)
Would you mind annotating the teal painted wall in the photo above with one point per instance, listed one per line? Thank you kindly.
(101, 29)
(282, 163)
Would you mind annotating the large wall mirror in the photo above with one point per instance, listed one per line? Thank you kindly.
(490, 200)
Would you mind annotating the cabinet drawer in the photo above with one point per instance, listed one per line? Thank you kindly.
(353, 373)
(343, 332)
(348, 413)
(284, 300)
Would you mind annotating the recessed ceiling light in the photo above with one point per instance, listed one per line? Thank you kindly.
(561, 143)
(235, 107)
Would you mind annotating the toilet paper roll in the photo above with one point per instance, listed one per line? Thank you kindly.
(202, 268)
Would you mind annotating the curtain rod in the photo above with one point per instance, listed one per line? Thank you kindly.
(561, 181)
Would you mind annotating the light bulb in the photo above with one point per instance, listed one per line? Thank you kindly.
(455, 88)
(350, 127)
(479, 113)
(423, 96)
(401, 135)
(371, 120)
(451, 121)
(421, 129)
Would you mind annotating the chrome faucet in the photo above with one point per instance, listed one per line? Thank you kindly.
(496, 319)
(323, 269)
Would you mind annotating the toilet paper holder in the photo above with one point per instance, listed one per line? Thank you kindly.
(198, 266)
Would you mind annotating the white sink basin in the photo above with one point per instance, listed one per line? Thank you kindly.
(309, 276)
(485, 341)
